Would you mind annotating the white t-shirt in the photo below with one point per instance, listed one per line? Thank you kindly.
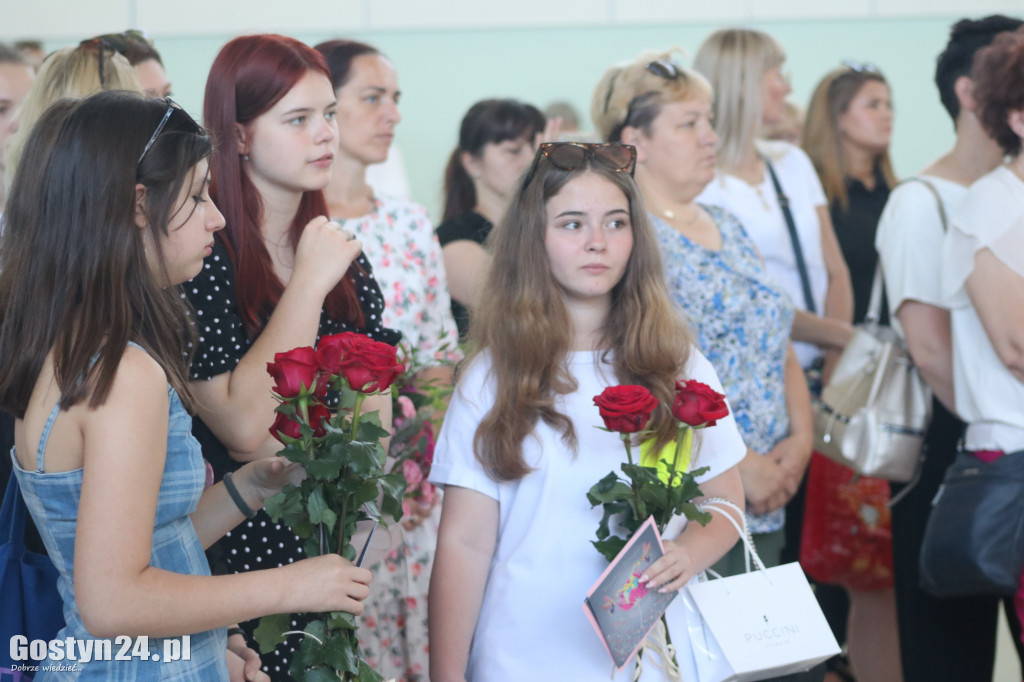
(531, 624)
(757, 208)
(909, 242)
(988, 397)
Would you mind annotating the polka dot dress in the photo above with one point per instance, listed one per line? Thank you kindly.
(222, 341)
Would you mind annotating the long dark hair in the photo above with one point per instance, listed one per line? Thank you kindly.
(490, 121)
(339, 55)
(248, 77)
(74, 276)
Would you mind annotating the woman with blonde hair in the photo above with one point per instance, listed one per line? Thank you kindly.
(715, 275)
(744, 68)
(576, 302)
(847, 134)
(774, 191)
(77, 72)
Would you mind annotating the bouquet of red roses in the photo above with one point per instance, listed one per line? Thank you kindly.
(660, 485)
(346, 482)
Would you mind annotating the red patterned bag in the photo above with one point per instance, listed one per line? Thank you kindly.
(847, 533)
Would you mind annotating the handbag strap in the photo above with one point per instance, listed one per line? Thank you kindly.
(13, 514)
(794, 238)
(721, 505)
(934, 193)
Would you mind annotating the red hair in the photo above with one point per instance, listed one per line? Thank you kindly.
(248, 77)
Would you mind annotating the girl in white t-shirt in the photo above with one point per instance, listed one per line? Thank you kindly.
(576, 302)
(745, 71)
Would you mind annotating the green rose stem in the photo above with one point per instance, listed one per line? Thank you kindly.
(641, 508)
(360, 397)
(684, 443)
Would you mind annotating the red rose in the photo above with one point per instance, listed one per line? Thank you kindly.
(367, 365)
(626, 409)
(698, 404)
(285, 425)
(293, 371)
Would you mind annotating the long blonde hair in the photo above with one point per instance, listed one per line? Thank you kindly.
(822, 142)
(527, 332)
(735, 61)
(71, 72)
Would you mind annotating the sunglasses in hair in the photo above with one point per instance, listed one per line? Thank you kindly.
(859, 67)
(122, 42)
(569, 156)
(663, 68)
(101, 45)
(172, 106)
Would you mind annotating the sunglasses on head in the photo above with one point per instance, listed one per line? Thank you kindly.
(569, 156)
(859, 67)
(172, 106)
(101, 45)
(663, 68)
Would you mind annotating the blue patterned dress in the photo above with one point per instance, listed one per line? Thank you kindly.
(52, 499)
(742, 320)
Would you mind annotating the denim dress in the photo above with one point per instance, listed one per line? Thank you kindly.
(52, 499)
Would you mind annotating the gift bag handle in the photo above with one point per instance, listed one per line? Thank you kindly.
(720, 505)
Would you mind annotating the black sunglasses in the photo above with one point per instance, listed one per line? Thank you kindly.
(663, 68)
(172, 106)
(569, 156)
(101, 45)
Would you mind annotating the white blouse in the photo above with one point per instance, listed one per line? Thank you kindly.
(988, 397)
(757, 207)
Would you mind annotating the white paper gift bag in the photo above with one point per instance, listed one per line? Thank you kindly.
(767, 622)
(764, 623)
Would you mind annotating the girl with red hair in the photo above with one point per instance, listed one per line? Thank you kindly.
(280, 274)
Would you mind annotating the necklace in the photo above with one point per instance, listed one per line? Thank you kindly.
(670, 215)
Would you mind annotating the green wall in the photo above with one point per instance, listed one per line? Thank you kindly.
(443, 72)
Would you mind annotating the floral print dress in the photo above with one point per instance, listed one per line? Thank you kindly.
(400, 243)
(742, 320)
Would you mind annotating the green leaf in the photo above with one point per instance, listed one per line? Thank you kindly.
(269, 633)
(341, 652)
(372, 511)
(360, 456)
(692, 513)
(318, 674)
(342, 619)
(324, 469)
(654, 495)
(316, 506)
(366, 492)
(286, 502)
(611, 509)
(609, 489)
(609, 547)
(393, 488)
(640, 475)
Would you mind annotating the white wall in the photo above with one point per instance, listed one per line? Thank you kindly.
(450, 54)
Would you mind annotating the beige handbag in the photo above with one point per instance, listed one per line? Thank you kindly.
(873, 413)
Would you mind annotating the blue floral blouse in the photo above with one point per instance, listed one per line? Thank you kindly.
(742, 321)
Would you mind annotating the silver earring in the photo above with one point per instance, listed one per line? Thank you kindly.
(245, 157)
